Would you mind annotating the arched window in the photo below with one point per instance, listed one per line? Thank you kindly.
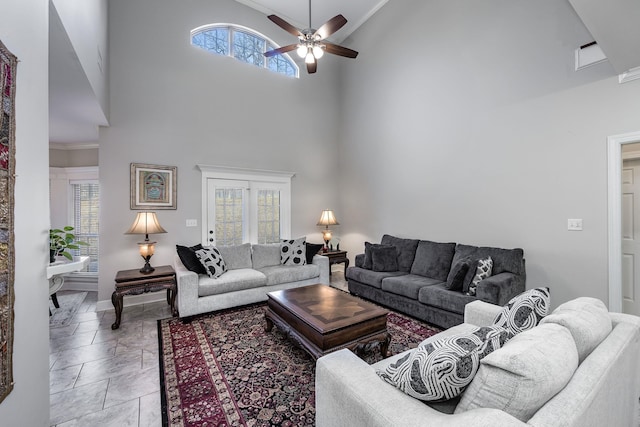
(243, 44)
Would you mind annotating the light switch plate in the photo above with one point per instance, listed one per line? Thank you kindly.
(574, 224)
(192, 223)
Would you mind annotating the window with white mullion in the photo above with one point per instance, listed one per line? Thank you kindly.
(86, 220)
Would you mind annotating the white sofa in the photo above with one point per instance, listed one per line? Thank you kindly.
(253, 271)
(602, 391)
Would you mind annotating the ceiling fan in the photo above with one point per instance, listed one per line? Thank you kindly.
(312, 45)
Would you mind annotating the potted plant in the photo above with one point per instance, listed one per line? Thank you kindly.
(62, 240)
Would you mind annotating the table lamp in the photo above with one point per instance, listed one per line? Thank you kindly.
(327, 218)
(146, 223)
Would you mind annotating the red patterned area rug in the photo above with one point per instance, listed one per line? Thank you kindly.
(223, 369)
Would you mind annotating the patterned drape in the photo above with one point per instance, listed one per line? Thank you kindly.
(8, 64)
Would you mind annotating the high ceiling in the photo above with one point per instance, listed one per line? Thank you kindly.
(75, 114)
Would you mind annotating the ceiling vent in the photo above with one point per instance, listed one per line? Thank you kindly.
(589, 54)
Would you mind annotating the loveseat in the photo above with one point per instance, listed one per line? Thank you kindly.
(251, 272)
(422, 284)
(597, 352)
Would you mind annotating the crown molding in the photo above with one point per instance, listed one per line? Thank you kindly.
(73, 146)
(630, 75)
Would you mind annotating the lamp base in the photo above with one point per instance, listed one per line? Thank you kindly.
(147, 267)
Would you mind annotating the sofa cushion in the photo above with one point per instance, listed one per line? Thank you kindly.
(383, 258)
(442, 369)
(587, 319)
(368, 253)
(233, 280)
(236, 256)
(524, 374)
(407, 285)
(441, 297)
(312, 250)
(510, 260)
(293, 252)
(369, 277)
(433, 259)
(265, 255)
(189, 259)
(458, 272)
(406, 250)
(212, 261)
(524, 311)
(278, 274)
(483, 270)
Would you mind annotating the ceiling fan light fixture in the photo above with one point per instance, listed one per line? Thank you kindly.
(301, 50)
(318, 51)
(309, 59)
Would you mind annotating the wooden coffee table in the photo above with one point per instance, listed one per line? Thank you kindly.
(322, 319)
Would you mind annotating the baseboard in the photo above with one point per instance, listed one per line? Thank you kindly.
(131, 300)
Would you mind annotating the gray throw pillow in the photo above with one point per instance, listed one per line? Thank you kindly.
(457, 274)
(293, 252)
(384, 258)
(212, 261)
(441, 369)
(524, 311)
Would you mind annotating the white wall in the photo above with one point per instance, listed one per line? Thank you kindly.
(175, 104)
(24, 30)
(464, 121)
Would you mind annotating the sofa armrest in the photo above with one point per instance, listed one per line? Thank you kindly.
(499, 289)
(187, 282)
(350, 393)
(323, 262)
(481, 313)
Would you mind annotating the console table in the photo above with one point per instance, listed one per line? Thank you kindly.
(56, 271)
(337, 257)
(133, 282)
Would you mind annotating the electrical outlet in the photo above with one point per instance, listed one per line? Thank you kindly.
(574, 224)
(192, 223)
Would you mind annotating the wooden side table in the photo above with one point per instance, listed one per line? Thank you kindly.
(337, 257)
(132, 282)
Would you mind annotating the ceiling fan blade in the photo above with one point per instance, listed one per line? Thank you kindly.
(285, 25)
(339, 50)
(312, 67)
(330, 27)
(281, 50)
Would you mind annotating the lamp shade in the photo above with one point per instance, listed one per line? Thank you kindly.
(328, 218)
(146, 223)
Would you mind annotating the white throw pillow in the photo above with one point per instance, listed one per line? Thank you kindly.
(212, 261)
(483, 270)
(293, 252)
(441, 369)
(524, 374)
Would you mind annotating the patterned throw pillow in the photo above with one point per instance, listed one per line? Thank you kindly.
(483, 270)
(293, 252)
(212, 261)
(524, 311)
(440, 370)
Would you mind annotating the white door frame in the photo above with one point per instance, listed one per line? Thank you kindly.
(614, 147)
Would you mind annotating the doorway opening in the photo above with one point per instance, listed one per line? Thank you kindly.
(615, 145)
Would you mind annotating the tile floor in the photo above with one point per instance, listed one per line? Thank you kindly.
(100, 377)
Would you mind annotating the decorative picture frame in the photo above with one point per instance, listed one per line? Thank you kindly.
(153, 187)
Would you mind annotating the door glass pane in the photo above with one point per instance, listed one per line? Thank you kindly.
(268, 216)
(229, 216)
(86, 214)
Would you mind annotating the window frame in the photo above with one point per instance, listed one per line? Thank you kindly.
(278, 179)
(233, 28)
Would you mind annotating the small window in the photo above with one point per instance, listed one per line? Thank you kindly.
(243, 44)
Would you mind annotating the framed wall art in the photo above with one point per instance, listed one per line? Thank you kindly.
(8, 68)
(153, 187)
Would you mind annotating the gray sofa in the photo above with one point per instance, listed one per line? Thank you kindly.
(601, 372)
(253, 271)
(419, 286)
